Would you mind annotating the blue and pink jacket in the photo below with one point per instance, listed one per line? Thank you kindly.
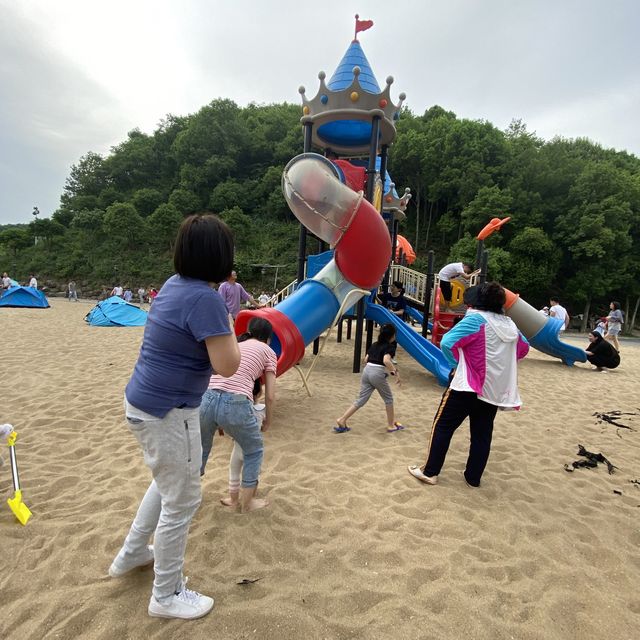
(485, 347)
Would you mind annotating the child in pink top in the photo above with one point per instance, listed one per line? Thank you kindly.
(228, 406)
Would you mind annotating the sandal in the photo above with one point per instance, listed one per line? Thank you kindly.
(341, 428)
(396, 427)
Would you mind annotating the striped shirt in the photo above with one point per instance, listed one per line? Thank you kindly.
(256, 359)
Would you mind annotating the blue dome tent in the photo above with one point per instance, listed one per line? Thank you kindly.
(24, 297)
(115, 312)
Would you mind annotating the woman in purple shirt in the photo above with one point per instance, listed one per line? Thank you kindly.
(187, 337)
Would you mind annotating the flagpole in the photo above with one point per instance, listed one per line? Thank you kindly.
(355, 35)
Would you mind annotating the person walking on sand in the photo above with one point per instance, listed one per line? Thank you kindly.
(484, 347)
(379, 366)
(233, 294)
(33, 282)
(73, 292)
(615, 320)
(228, 405)
(186, 336)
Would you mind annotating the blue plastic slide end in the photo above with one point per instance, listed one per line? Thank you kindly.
(547, 341)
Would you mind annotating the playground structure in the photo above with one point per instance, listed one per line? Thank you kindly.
(350, 205)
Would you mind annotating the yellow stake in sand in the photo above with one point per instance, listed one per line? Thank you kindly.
(19, 508)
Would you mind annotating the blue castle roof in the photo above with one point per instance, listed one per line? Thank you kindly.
(343, 75)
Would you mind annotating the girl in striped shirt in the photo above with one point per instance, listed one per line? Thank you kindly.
(228, 406)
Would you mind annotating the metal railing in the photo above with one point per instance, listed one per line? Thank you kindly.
(282, 294)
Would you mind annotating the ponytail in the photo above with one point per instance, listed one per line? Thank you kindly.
(258, 329)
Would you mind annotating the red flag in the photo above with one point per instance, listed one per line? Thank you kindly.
(362, 25)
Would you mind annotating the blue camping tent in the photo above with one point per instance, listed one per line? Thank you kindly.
(24, 297)
(115, 312)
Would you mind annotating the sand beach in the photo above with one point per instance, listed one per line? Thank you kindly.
(351, 547)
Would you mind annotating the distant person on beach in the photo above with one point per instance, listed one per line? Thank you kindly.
(601, 326)
(450, 272)
(186, 337)
(600, 353)
(264, 298)
(153, 292)
(394, 300)
(128, 295)
(558, 311)
(375, 375)
(6, 281)
(72, 291)
(228, 405)
(33, 282)
(615, 320)
(233, 294)
(484, 348)
(141, 294)
(117, 291)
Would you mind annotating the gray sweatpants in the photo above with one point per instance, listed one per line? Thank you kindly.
(173, 451)
(374, 377)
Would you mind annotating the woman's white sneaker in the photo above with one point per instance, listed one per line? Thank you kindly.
(123, 563)
(185, 604)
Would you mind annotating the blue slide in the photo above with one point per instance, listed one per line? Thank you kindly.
(414, 314)
(421, 350)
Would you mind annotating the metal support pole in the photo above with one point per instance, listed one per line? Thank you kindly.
(357, 347)
(371, 181)
(316, 346)
(373, 154)
(394, 240)
(482, 278)
(349, 323)
(428, 290)
(369, 340)
(479, 251)
(339, 333)
(302, 236)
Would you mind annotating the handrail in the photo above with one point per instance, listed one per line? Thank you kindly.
(282, 294)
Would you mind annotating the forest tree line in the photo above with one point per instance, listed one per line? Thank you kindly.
(574, 206)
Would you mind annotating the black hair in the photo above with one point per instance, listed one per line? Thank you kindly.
(204, 248)
(491, 297)
(616, 305)
(387, 333)
(398, 285)
(257, 387)
(596, 334)
(259, 329)
(466, 264)
(554, 299)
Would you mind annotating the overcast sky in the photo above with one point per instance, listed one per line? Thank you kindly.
(77, 75)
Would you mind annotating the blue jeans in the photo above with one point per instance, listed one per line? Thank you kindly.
(234, 413)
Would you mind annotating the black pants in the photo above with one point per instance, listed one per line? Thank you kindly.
(454, 407)
(445, 288)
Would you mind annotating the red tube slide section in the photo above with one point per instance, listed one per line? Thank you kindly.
(287, 341)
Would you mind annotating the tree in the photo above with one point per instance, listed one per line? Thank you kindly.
(146, 201)
(164, 223)
(123, 225)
